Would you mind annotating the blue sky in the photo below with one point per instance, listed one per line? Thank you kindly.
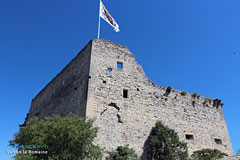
(186, 44)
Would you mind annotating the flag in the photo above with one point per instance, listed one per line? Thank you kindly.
(107, 17)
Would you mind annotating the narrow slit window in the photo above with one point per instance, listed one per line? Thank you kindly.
(104, 81)
(125, 93)
(218, 141)
(119, 65)
(189, 136)
(109, 69)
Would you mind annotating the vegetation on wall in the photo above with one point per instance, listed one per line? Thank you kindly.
(169, 88)
(194, 102)
(183, 93)
(195, 95)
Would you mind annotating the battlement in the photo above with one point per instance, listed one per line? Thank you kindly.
(105, 82)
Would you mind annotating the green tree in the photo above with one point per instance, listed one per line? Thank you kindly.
(66, 138)
(207, 154)
(164, 144)
(122, 153)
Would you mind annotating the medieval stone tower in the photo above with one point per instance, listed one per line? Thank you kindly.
(104, 82)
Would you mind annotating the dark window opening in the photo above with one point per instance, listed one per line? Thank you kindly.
(89, 77)
(104, 82)
(119, 65)
(189, 136)
(75, 88)
(218, 141)
(109, 69)
(125, 93)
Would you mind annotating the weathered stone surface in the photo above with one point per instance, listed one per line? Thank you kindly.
(67, 92)
(235, 157)
(99, 95)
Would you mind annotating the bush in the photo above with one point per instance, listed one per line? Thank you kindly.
(194, 102)
(67, 138)
(122, 153)
(207, 154)
(195, 95)
(183, 93)
(164, 144)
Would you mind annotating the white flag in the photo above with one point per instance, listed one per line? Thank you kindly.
(107, 17)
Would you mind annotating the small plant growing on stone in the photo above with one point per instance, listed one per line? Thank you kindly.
(122, 153)
(194, 102)
(195, 95)
(169, 88)
(207, 154)
(183, 93)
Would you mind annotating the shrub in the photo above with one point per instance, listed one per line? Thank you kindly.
(183, 93)
(207, 154)
(164, 144)
(122, 153)
(194, 102)
(195, 95)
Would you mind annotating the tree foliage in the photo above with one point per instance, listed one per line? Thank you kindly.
(122, 153)
(207, 154)
(164, 144)
(67, 138)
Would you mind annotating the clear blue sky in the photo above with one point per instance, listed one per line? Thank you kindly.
(186, 44)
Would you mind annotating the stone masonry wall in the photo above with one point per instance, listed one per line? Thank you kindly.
(92, 86)
(67, 92)
(235, 157)
(129, 120)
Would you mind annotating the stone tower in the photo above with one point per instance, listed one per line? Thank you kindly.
(104, 82)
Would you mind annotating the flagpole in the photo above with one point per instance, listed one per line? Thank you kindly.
(99, 20)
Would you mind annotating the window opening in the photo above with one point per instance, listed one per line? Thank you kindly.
(125, 93)
(218, 141)
(119, 65)
(189, 136)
